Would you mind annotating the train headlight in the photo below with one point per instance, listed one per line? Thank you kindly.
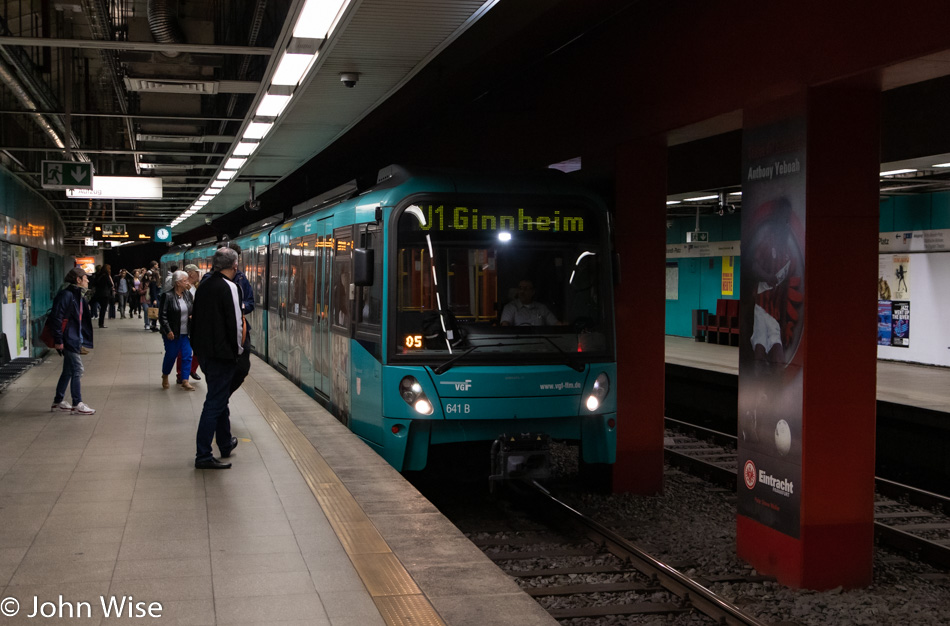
(601, 387)
(411, 392)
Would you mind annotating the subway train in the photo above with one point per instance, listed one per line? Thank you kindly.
(436, 308)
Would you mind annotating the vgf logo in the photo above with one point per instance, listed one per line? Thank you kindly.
(459, 385)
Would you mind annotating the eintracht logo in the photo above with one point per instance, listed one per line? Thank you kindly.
(748, 474)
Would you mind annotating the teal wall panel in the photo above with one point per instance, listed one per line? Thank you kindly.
(700, 286)
(912, 212)
(940, 211)
(886, 219)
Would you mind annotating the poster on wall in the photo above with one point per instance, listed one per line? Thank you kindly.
(884, 322)
(900, 275)
(772, 293)
(15, 300)
(7, 274)
(672, 281)
(728, 274)
(900, 324)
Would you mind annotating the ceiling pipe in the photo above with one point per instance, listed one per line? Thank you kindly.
(16, 87)
(164, 27)
(101, 27)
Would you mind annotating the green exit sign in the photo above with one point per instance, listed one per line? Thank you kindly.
(67, 175)
(697, 236)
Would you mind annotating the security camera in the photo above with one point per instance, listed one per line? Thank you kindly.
(669, 224)
(208, 220)
(349, 79)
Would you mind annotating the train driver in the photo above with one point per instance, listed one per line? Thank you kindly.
(524, 311)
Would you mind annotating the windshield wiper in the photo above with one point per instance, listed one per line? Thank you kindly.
(441, 369)
(574, 365)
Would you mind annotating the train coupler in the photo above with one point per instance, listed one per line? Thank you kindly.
(523, 456)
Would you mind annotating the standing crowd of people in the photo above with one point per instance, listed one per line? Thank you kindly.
(206, 326)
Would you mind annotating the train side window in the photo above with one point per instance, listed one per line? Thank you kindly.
(369, 308)
(341, 278)
(274, 276)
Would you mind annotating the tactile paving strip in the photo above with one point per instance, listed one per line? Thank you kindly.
(398, 598)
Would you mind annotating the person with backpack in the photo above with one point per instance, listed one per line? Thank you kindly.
(71, 325)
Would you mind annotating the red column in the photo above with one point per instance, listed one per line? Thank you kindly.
(640, 238)
(837, 353)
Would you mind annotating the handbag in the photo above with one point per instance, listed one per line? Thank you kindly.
(153, 312)
(46, 336)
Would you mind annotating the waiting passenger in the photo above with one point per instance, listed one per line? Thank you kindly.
(524, 311)
(218, 328)
(174, 316)
(194, 276)
(71, 324)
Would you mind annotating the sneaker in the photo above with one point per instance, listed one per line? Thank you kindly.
(83, 409)
(61, 406)
(83, 350)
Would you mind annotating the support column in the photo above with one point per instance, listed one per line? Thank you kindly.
(640, 238)
(807, 361)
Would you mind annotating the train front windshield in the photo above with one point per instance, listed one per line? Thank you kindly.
(495, 283)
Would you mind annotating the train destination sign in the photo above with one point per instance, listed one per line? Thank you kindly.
(463, 218)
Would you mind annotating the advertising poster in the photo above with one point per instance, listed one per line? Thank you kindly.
(900, 324)
(672, 281)
(7, 274)
(728, 275)
(900, 277)
(20, 259)
(772, 293)
(883, 322)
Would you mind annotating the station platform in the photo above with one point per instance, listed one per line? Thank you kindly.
(907, 384)
(309, 526)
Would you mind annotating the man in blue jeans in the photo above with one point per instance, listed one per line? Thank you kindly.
(71, 324)
(218, 339)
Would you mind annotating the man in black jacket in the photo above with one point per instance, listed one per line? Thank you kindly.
(218, 340)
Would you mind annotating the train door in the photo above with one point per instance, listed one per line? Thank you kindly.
(283, 274)
(273, 311)
(367, 349)
(341, 322)
(321, 334)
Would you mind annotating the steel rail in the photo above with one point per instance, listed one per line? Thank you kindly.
(704, 600)
(923, 549)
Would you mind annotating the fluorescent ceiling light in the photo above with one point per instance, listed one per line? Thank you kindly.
(700, 198)
(256, 130)
(219, 184)
(942, 165)
(317, 17)
(272, 105)
(669, 202)
(292, 68)
(736, 193)
(234, 163)
(226, 174)
(207, 196)
(896, 172)
(245, 148)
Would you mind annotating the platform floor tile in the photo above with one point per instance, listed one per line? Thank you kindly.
(308, 527)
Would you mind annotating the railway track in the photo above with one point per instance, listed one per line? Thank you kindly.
(905, 519)
(577, 568)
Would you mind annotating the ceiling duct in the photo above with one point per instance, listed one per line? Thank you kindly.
(8, 77)
(164, 27)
